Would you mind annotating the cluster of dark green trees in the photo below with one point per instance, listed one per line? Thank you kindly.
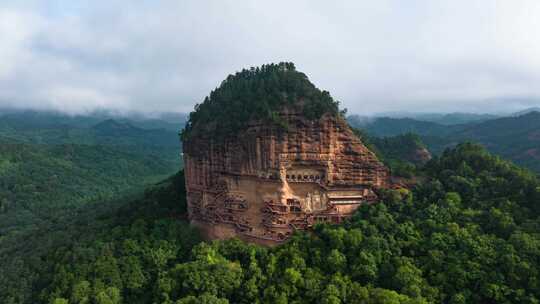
(27, 258)
(399, 153)
(469, 233)
(55, 178)
(258, 93)
(514, 137)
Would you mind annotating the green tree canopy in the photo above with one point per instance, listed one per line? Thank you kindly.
(258, 93)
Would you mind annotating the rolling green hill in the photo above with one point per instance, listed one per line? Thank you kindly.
(43, 185)
(516, 138)
(132, 136)
(37, 181)
(403, 154)
(59, 172)
(50, 163)
(386, 126)
(456, 118)
(258, 93)
(113, 132)
(32, 119)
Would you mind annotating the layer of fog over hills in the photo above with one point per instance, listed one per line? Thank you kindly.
(35, 118)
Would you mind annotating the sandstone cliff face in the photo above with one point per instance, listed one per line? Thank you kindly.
(264, 183)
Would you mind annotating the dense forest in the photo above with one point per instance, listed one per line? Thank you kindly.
(133, 136)
(92, 212)
(258, 93)
(514, 137)
(58, 173)
(65, 177)
(469, 233)
(402, 154)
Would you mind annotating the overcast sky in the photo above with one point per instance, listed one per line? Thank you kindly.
(373, 56)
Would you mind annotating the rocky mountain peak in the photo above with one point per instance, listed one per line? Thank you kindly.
(263, 178)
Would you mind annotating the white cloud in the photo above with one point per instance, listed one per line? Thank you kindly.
(167, 55)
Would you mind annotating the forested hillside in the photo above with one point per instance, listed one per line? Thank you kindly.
(57, 173)
(386, 126)
(28, 266)
(48, 129)
(33, 119)
(44, 187)
(258, 93)
(402, 154)
(456, 118)
(47, 168)
(468, 234)
(516, 137)
(38, 182)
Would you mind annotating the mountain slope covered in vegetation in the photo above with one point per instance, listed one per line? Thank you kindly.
(258, 94)
(516, 138)
(44, 187)
(58, 173)
(469, 233)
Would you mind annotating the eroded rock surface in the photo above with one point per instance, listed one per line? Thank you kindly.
(266, 182)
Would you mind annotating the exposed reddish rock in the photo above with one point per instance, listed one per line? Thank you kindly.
(421, 156)
(264, 183)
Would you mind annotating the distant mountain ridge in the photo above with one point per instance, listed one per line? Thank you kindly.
(124, 132)
(33, 119)
(514, 137)
(386, 126)
(58, 128)
(442, 118)
(111, 125)
(526, 111)
(505, 126)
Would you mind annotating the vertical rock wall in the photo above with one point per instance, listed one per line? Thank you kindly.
(264, 183)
